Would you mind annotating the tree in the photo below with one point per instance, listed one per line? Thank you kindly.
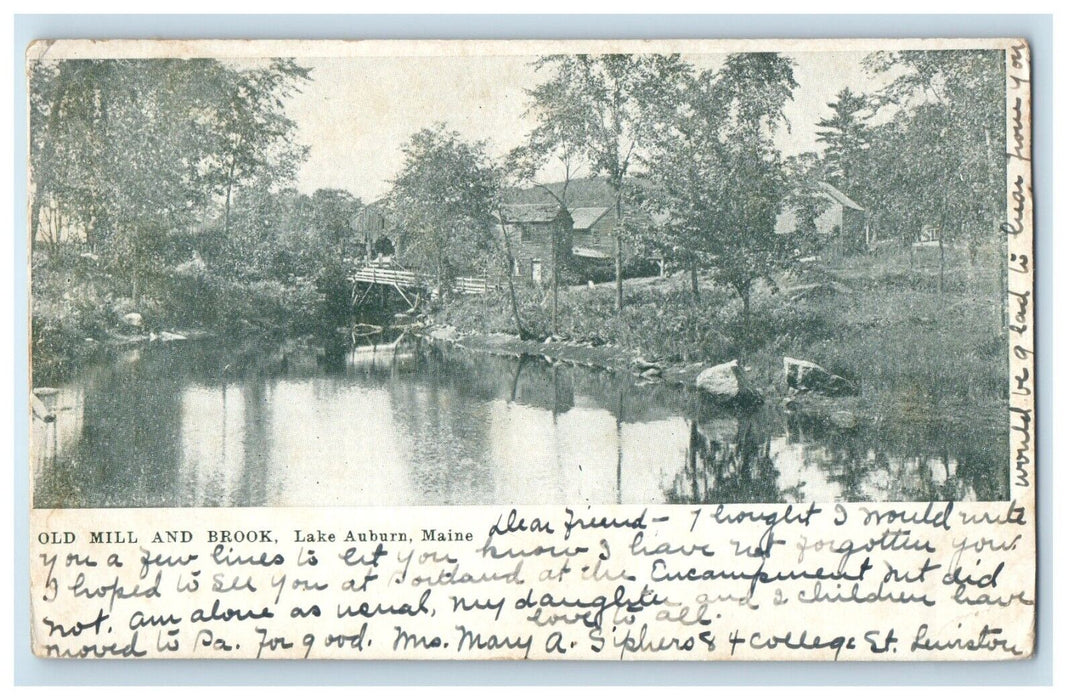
(845, 137)
(547, 143)
(255, 136)
(803, 172)
(123, 151)
(718, 174)
(941, 152)
(134, 153)
(333, 213)
(442, 202)
(597, 107)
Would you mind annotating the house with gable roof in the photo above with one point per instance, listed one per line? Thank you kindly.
(840, 221)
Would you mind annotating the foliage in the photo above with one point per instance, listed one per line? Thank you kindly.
(934, 156)
(442, 203)
(157, 189)
(718, 176)
(595, 108)
(132, 155)
(886, 330)
(845, 137)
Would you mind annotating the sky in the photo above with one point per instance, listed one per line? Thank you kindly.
(356, 113)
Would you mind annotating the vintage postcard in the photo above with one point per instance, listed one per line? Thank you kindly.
(574, 350)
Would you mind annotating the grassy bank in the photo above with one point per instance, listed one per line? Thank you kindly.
(871, 319)
(80, 308)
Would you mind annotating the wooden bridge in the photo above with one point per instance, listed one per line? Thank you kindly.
(409, 284)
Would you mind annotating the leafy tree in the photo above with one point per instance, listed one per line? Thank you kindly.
(134, 153)
(547, 144)
(718, 175)
(596, 107)
(845, 136)
(803, 172)
(333, 216)
(255, 137)
(442, 202)
(938, 157)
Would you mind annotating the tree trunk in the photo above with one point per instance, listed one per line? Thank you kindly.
(694, 287)
(943, 261)
(744, 294)
(35, 213)
(618, 247)
(555, 282)
(230, 183)
(522, 335)
(227, 210)
(940, 236)
(47, 151)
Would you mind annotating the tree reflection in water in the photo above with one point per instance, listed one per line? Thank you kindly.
(410, 422)
(728, 460)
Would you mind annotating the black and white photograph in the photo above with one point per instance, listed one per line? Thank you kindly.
(424, 278)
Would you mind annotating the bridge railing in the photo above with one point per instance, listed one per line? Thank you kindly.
(408, 279)
(387, 275)
(472, 285)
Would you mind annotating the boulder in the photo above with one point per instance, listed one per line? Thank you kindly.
(133, 319)
(726, 383)
(43, 402)
(803, 376)
(445, 334)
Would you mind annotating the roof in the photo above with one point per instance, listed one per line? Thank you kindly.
(585, 217)
(531, 213)
(838, 196)
(371, 217)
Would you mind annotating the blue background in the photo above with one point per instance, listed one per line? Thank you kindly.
(30, 670)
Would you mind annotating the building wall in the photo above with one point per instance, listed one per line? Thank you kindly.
(601, 236)
(533, 241)
(830, 219)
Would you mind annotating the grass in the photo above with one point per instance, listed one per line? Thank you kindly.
(887, 327)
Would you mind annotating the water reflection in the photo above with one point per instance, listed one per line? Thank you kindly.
(404, 423)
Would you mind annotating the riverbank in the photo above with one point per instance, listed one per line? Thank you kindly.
(81, 309)
(612, 358)
(916, 354)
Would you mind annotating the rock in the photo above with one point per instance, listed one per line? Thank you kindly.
(726, 382)
(166, 337)
(803, 376)
(652, 373)
(448, 334)
(43, 401)
(133, 319)
(816, 291)
(844, 419)
(642, 365)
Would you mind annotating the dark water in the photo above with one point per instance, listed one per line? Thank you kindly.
(193, 424)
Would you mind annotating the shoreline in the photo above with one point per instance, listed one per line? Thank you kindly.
(843, 412)
(608, 357)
